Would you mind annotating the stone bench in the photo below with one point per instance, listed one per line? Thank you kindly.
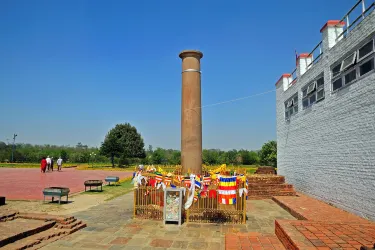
(110, 179)
(56, 192)
(94, 183)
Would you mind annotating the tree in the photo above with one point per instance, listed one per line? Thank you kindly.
(268, 154)
(158, 156)
(123, 141)
(64, 155)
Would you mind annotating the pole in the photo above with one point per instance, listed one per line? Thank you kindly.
(14, 140)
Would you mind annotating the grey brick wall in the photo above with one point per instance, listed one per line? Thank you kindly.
(328, 150)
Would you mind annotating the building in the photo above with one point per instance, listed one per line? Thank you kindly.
(325, 112)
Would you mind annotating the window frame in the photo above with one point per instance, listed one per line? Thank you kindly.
(355, 65)
(354, 55)
(363, 62)
(368, 54)
(291, 109)
(313, 92)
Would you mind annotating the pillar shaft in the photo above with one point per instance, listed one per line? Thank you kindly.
(191, 113)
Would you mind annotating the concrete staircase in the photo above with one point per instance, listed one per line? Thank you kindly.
(51, 228)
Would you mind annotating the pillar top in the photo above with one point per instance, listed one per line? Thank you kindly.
(191, 53)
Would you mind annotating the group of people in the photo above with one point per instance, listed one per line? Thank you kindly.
(47, 164)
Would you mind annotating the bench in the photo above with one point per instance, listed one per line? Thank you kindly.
(2, 200)
(94, 183)
(110, 179)
(56, 192)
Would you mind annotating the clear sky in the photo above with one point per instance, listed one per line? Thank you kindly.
(71, 70)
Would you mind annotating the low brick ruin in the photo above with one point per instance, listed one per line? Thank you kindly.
(265, 186)
(30, 230)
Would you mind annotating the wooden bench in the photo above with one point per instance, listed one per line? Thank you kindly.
(110, 179)
(94, 183)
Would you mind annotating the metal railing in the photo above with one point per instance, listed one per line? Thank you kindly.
(294, 77)
(364, 11)
(315, 55)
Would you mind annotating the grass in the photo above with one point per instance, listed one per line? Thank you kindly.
(114, 191)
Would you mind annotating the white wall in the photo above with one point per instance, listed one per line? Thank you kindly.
(328, 150)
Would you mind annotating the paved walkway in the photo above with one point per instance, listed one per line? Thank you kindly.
(110, 226)
(28, 183)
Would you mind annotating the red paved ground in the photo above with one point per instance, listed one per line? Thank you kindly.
(325, 235)
(252, 241)
(28, 183)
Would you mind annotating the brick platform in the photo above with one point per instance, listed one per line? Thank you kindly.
(324, 235)
(252, 241)
(28, 183)
(306, 208)
(266, 186)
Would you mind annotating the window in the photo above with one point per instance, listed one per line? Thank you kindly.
(351, 76)
(366, 50)
(337, 84)
(313, 92)
(349, 61)
(336, 70)
(358, 63)
(366, 67)
(291, 106)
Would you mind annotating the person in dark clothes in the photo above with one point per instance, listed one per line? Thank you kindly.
(52, 164)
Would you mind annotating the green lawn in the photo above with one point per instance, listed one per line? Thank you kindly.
(113, 191)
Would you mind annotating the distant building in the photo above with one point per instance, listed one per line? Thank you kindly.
(326, 116)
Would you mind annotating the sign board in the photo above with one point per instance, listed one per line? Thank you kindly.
(173, 204)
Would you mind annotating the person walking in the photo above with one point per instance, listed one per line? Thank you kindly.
(59, 164)
(43, 165)
(52, 163)
(48, 163)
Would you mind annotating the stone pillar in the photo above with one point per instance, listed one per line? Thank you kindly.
(191, 112)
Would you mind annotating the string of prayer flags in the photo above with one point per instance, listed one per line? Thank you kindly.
(158, 177)
(227, 190)
(167, 181)
(207, 180)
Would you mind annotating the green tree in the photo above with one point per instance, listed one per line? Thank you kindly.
(64, 155)
(268, 154)
(159, 156)
(123, 141)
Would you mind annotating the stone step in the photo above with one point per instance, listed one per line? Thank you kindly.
(46, 217)
(265, 179)
(41, 239)
(69, 226)
(269, 186)
(269, 195)
(271, 192)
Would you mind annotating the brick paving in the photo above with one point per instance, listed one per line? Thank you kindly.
(325, 235)
(28, 183)
(110, 226)
(304, 207)
(252, 241)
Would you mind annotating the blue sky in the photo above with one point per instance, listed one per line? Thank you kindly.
(71, 70)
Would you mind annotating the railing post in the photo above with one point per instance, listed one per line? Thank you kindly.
(347, 24)
(363, 9)
(320, 48)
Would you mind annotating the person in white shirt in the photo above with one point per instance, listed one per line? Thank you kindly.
(59, 164)
(48, 163)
